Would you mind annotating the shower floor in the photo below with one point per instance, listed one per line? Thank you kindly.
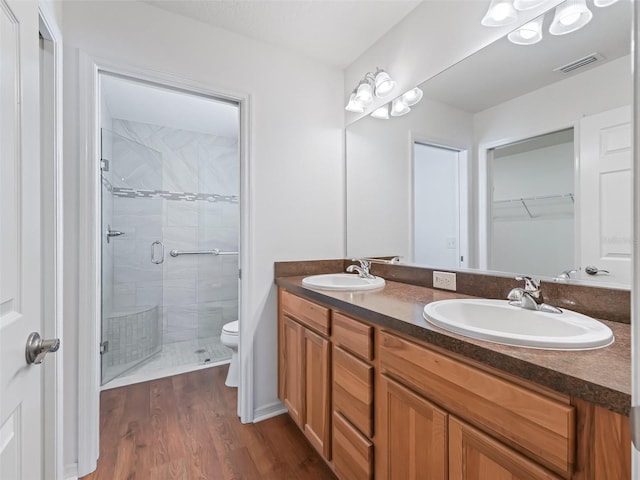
(176, 358)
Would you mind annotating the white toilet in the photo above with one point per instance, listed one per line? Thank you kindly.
(229, 338)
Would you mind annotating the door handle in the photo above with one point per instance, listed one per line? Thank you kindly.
(37, 348)
(153, 252)
(592, 270)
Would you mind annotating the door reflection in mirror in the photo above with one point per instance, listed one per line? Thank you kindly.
(532, 204)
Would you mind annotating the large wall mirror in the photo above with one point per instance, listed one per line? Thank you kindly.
(517, 160)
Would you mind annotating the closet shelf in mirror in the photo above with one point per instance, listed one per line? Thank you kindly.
(547, 206)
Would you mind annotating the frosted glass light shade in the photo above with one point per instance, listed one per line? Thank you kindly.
(604, 3)
(364, 94)
(528, 34)
(500, 13)
(399, 108)
(523, 5)
(412, 97)
(354, 105)
(381, 112)
(570, 16)
(384, 84)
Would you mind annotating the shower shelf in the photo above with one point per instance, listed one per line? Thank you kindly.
(558, 205)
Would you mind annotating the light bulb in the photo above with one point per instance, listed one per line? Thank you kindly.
(353, 105)
(569, 17)
(528, 34)
(384, 84)
(364, 94)
(399, 108)
(604, 3)
(381, 112)
(500, 13)
(412, 97)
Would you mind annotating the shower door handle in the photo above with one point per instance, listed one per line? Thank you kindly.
(153, 252)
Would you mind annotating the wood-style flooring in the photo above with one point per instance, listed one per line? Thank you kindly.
(185, 427)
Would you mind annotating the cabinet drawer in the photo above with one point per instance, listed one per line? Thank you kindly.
(352, 453)
(353, 336)
(542, 428)
(308, 313)
(353, 390)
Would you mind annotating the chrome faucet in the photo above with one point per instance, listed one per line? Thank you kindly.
(526, 297)
(363, 269)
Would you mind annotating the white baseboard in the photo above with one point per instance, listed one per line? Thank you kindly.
(268, 411)
(71, 472)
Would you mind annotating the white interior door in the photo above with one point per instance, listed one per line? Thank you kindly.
(21, 430)
(606, 195)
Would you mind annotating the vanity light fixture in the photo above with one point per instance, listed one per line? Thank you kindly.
(569, 17)
(412, 97)
(500, 13)
(528, 34)
(604, 3)
(399, 108)
(378, 83)
(382, 112)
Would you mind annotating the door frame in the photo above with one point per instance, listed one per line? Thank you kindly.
(89, 280)
(464, 197)
(53, 325)
(484, 183)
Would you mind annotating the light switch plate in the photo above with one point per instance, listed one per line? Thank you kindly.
(444, 280)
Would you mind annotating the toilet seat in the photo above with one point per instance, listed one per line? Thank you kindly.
(230, 328)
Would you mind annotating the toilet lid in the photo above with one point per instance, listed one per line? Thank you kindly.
(231, 327)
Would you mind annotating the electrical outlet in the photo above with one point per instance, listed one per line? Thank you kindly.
(444, 280)
(452, 244)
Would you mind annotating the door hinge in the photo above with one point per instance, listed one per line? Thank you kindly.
(104, 347)
(104, 165)
(240, 273)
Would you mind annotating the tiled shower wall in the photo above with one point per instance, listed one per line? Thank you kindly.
(187, 197)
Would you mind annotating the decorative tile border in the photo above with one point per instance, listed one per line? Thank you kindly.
(186, 196)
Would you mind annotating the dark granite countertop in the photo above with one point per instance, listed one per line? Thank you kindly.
(601, 376)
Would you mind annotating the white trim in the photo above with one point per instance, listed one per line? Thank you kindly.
(635, 276)
(269, 411)
(464, 159)
(71, 472)
(54, 410)
(89, 233)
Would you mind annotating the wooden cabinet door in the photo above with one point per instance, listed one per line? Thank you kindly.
(317, 358)
(473, 455)
(414, 435)
(292, 368)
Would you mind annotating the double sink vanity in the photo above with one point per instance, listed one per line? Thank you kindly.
(396, 379)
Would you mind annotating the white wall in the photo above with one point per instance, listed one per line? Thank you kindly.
(379, 174)
(296, 150)
(433, 37)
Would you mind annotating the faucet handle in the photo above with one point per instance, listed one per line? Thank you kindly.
(531, 285)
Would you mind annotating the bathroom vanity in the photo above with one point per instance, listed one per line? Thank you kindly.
(383, 394)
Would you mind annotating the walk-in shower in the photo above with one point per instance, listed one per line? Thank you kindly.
(170, 221)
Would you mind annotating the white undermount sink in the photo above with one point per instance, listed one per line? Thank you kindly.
(499, 322)
(342, 281)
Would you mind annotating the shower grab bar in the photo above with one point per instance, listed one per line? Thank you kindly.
(153, 252)
(215, 251)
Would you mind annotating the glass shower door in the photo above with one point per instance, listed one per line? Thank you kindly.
(132, 254)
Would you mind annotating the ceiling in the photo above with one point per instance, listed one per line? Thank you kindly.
(503, 71)
(333, 32)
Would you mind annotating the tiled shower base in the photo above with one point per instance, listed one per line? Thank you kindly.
(174, 359)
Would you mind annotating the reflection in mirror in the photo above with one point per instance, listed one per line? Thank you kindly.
(532, 205)
(487, 107)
